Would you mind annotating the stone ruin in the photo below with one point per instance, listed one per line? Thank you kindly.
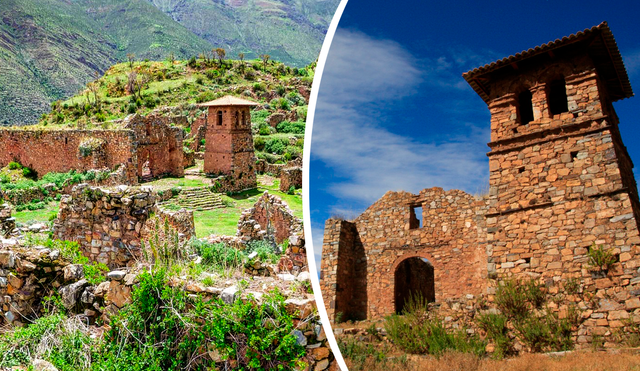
(7, 223)
(561, 185)
(144, 147)
(109, 224)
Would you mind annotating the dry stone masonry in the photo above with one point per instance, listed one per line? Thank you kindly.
(561, 185)
(110, 223)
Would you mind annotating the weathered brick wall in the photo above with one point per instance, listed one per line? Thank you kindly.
(344, 272)
(48, 151)
(269, 212)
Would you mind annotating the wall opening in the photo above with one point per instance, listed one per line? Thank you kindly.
(414, 278)
(244, 118)
(525, 106)
(557, 97)
(415, 217)
(220, 118)
(237, 117)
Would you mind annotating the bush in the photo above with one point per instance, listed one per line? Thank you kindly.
(601, 258)
(276, 145)
(218, 255)
(258, 144)
(205, 97)
(246, 335)
(259, 116)
(14, 166)
(266, 251)
(517, 298)
(414, 332)
(291, 127)
(264, 129)
(29, 173)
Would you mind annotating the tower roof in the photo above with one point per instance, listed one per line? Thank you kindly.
(228, 100)
(597, 42)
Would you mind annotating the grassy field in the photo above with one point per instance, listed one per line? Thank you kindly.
(225, 221)
(575, 361)
(37, 216)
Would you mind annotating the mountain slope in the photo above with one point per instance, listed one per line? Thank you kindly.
(291, 31)
(49, 49)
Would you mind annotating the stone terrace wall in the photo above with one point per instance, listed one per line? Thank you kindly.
(48, 151)
(106, 223)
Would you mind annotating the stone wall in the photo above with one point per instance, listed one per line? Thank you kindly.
(159, 145)
(48, 151)
(291, 177)
(271, 213)
(110, 223)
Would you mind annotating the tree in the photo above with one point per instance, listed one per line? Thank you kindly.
(241, 58)
(221, 54)
(265, 59)
(131, 57)
(136, 83)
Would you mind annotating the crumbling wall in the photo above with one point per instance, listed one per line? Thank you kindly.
(106, 223)
(159, 145)
(269, 212)
(48, 151)
(291, 177)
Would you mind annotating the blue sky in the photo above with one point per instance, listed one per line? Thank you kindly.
(394, 112)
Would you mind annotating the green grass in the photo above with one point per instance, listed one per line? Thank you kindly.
(40, 216)
(165, 183)
(225, 221)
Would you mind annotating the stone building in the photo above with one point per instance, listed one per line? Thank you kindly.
(229, 143)
(561, 183)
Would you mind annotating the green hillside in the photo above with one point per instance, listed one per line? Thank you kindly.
(50, 48)
(291, 31)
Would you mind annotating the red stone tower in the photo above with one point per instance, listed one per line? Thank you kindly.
(229, 143)
(561, 180)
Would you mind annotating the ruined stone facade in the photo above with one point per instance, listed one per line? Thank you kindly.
(561, 183)
(229, 143)
(144, 146)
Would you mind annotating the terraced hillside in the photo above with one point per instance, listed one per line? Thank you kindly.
(49, 49)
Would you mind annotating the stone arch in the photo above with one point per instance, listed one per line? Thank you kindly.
(413, 275)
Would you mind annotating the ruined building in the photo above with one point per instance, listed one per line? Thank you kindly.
(561, 183)
(229, 143)
(142, 147)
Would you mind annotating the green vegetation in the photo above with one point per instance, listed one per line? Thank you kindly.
(415, 331)
(522, 308)
(601, 258)
(158, 316)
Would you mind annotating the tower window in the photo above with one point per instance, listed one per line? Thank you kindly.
(220, 118)
(526, 107)
(557, 97)
(237, 118)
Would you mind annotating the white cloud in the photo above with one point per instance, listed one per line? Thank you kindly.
(361, 73)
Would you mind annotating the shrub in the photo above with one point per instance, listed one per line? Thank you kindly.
(276, 145)
(258, 144)
(266, 251)
(516, 298)
(292, 190)
(29, 173)
(205, 97)
(246, 335)
(258, 87)
(218, 255)
(14, 166)
(280, 90)
(259, 116)
(414, 332)
(291, 127)
(4, 178)
(264, 129)
(495, 326)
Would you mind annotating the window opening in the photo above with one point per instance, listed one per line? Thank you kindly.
(558, 97)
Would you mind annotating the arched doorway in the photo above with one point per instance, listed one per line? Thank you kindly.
(414, 277)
